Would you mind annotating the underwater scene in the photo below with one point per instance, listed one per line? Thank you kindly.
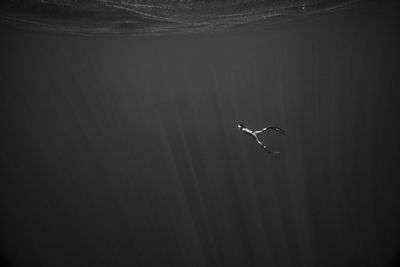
(199, 133)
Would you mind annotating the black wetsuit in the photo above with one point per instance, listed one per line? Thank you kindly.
(255, 133)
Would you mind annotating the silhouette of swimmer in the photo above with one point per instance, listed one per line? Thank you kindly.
(254, 134)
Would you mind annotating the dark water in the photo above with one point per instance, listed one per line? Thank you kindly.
(125, 151)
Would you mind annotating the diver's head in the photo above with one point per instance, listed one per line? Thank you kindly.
(241, 126)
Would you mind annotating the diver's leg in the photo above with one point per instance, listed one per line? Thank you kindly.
(265, 148)
(272, 128)
(262, 145)
(258, 140)
(277, 129)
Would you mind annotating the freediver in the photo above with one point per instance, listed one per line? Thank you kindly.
(254, 134)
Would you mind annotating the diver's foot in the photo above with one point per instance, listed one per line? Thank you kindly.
(279, 130)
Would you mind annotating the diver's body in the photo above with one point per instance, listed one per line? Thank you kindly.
(254, 134)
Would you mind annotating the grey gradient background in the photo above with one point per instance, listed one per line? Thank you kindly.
(125, 151)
